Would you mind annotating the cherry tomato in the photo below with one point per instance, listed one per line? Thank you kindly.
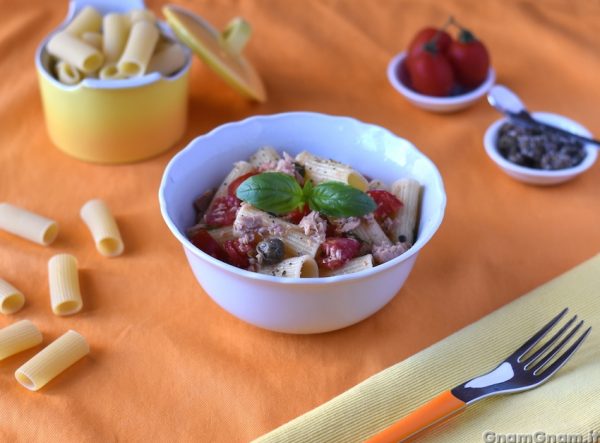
(237, 253)
(469, 59)
(442, 41)
(297, 214)
(222, 212)
(204, 241)
(387, 204)
(335, 252)
(430, 73)
(232, 188)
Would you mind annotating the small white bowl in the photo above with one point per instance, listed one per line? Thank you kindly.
(398, 77)
(298, 305)
(540, 176)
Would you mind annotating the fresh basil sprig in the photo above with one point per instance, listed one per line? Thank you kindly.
(280, 193)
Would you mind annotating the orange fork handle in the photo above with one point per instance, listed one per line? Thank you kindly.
(434, 411)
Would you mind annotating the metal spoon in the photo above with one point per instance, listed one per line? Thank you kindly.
(509, 104)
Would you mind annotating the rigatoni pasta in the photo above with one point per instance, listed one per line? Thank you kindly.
(116, 46)
(87, 20)
(408, 191)
(103, 227)
(93, 39)
(116, 28)
(167, 61)
(67, 73)
(76, 52)
(350, 267)
(264, 156)
(63, 278)
(138, 49)
(11, 299)
(18, 337)
(52, 360)
(320, 170)
(27, 224)
(295, 267)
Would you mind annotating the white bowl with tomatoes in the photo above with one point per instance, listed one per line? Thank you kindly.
(298, 305)
(442, 74)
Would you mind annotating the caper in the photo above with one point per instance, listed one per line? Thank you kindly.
(270, 250)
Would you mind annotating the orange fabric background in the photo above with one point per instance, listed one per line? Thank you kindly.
(167, 364)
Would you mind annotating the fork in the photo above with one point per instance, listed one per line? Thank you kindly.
(515, 374)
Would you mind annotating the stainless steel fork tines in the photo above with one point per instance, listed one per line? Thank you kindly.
(523, 369)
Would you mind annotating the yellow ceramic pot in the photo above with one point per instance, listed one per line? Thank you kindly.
(113, 121)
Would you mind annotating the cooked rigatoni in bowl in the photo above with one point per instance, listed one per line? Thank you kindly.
(114, 82)
(315, 299)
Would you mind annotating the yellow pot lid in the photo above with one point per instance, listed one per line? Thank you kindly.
(222, 51)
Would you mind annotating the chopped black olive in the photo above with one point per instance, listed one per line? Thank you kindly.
(271, 250)
(402, 238)
(300, 169)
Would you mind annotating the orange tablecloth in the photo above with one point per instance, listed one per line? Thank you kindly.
(167, 364)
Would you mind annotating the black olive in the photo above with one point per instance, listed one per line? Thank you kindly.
(300, 169)
(271, 250)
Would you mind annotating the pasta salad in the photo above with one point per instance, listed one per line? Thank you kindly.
(304, 216)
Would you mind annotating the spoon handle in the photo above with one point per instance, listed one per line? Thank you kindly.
(526, 118)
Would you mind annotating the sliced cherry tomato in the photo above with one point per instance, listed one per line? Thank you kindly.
(469, 59)
(387, 204)
(426, 35)
(430, 73)
(297, 214)
(232, 188)
(335, 252)
(204, 241)
(223, 211)
(238, 253)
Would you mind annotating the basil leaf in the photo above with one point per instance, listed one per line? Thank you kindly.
(337, 199)
(273, 192)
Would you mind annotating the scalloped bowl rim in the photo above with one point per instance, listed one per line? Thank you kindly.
(422, 240)
(465, 98)
(489, 142)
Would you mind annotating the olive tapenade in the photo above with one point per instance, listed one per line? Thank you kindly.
(538, 148)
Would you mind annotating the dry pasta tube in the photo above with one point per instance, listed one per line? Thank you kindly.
(11, 299)
(70, 49)
(137, 15)
(67, 73)
(264, 155)
(408, 191)
(103, 227)
(18, 337)
(355, 265)
(87, 20)
(93, 39)
(321, 170)
(294, 267)
(168, 60)
(28, 225)
(139, 48)
(114, 38)
(65, 295)
(110, 72)
(52, 360)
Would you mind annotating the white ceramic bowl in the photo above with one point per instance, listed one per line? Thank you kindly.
(296, 305)
(539, 176)
(398, 77)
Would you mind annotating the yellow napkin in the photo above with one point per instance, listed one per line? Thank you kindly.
(569, 403)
